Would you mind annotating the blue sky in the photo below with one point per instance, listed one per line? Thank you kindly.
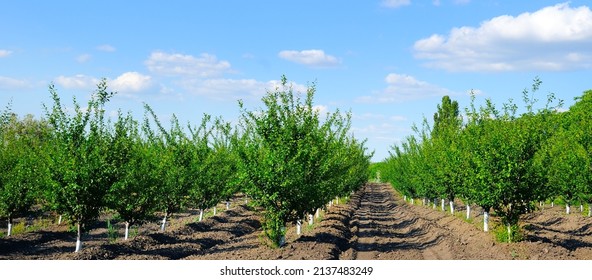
(388, 61)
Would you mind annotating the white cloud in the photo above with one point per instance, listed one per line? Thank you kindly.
(395, 3)
(77, 81)
(131, 82)
(315, 58)
(551, 39)
(106, 48)
(233, 89)
(5, 53)
(173, 64)
(8, 83)
(83, 58)
(401, 88)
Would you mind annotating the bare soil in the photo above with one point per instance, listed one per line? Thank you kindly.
(376, 223)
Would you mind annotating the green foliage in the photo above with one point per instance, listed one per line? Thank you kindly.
(79, 179)
(294, 162)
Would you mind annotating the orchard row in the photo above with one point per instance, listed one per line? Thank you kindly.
(498, 159)
(287, 157)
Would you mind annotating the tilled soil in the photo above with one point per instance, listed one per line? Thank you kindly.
(376, 224)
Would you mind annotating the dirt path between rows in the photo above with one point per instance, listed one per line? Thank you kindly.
(376, 224)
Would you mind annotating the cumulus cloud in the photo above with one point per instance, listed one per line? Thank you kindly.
(131, 82)
(8, 83)
(232, 89)
(314, 58)
(5, 53)
(402, 88)
(553, 38)
(106, 48)
(174, 64)
(395, 3)
(77, 81)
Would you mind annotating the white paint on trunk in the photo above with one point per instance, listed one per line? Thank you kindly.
(164, 221)
(60, 220)
(405, 197)
(126, 230)
(337, 200)
(201, 214)
(318, 213)
(509, 233)
(443, 209)
(567, 208)
(227, 205)
(9, 231)
(78, 245)
(451, 207)
(589, 211)
(215, 210)
(298, 226)
(435, 203)
(552, 204)
(581, 208)
(78, 239)
(412, 201)
(485, 221)
(310, 219)
(468, 211)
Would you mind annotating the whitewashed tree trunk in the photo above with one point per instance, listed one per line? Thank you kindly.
(164, 221)
(485, 221)
(443, 209)
(227, 205)
(310, 219)
(126, 230)
(337, 200)
(405, 197)
(552, 204)
(412, 201)
(451, 207)
(215, 210)
(298, 226)
(78, 239)
(201, 214)
(567, 208)
(60, 220)
(9, 230)
(318, 213)
(581, 208)
(509, 233)
(468, 211)
(589, 211)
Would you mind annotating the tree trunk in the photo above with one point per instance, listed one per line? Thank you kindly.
(201, 214)
(451, 207)
(78, 239)
(310, 219)
(127, 224)
(485, 221)
(468, 211)
(164, 220)
(552, 204)
(227, 205)
(443, 209)
(567, 208)
(9, 230)
(435, 202)
(60, 220)
(412, 201)
(509, 233)
(298, 226)
(215, 210)
(581, 208)
(318, 213)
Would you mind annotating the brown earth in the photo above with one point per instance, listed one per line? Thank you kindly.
(376, 223)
